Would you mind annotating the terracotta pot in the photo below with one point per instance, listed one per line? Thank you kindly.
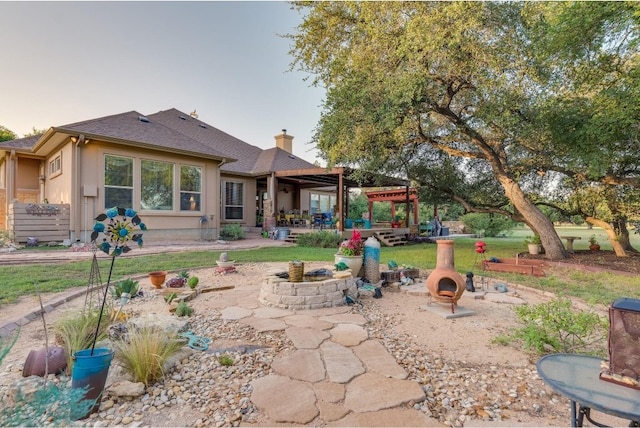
(157, 278)
(35, 363)
(594, 247)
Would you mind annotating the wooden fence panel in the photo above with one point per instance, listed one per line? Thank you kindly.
(46, 222)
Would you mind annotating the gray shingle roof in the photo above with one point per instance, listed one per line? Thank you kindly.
(175, 131)
(22, 144)
(251, 159)
(134, 127)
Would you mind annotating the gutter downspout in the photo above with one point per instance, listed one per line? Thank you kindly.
(10, 195)
(217, 221)
(11, 190)
(75, 194)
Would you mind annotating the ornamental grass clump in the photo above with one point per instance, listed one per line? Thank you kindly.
(352, 246)
(77, 331)
(146, 353)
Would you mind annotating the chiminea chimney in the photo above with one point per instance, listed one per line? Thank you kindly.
(284, 141)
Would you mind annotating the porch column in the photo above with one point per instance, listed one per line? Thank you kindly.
(341, 202)
(371, 212)
(406, 210)
(346, 203)
(393, 211)
(415, 211)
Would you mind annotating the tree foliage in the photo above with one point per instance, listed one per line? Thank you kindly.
(6, 134)
(468, 98)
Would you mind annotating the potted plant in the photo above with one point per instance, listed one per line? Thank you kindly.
(533, 244)
(125, 290)
(593, 244)
(350, 252)
(91, 366)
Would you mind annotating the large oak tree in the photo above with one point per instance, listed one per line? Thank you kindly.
(471, 81)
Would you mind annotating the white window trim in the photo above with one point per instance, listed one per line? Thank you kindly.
(54, 166)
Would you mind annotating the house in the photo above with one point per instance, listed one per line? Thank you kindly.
(185, 178)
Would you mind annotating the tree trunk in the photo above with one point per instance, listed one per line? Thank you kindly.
(611, 234)
(622, 234)
(540, 223)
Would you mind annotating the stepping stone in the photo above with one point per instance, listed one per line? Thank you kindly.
(377, 359)
(305, 365)
(285, 400)
(306, 338)
(348, 334)
(341, 363)
(372, 391)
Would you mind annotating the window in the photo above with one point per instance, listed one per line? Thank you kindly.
(233, 201)
(118, 181)
(55, 166)
(156, 185)
(190, 187)
(322, 202)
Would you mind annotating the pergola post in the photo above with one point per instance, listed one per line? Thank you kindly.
(340, 202)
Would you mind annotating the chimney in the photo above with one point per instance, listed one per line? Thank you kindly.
(284, 141)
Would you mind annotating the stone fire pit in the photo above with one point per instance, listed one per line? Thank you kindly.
(280, 293)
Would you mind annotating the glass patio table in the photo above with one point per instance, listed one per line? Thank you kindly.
(577, 377)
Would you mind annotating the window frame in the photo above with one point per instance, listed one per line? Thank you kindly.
(172, 203)
(198, 193)
(225, 205)
(111, 186)
(54, 167)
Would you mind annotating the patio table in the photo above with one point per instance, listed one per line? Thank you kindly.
(577, 377)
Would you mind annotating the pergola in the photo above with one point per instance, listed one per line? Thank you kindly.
(342, 178)
(394, 196)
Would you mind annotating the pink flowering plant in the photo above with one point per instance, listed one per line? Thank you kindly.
(352, 246)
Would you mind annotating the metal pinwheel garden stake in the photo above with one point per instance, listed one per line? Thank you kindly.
(117, 225)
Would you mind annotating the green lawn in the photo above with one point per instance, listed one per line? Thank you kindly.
(593, 287)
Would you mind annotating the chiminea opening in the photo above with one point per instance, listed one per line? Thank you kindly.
(445, 284)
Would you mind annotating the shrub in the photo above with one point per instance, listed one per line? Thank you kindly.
(193, 282)
(487, 225)
(183, 309)
(146, 352)
(232, 232)
(320, 239)
(169, 297)
(76, 331)
(225, 360)
(555, 327)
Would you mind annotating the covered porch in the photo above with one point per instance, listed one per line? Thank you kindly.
(315, 197)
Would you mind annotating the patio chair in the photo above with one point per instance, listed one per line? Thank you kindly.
(318, 221)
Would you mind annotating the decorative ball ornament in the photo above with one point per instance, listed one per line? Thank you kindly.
(480, 247)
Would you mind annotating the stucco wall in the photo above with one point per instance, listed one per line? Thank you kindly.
(169, 224)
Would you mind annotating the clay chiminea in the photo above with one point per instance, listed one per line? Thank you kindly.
(445, 284)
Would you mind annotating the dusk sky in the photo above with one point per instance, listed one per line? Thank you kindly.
(64, 62)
